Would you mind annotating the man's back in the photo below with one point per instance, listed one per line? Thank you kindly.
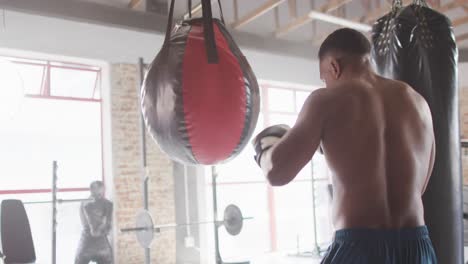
(379, 143)
(378, 139)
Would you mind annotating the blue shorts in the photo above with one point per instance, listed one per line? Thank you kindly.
(381, 246)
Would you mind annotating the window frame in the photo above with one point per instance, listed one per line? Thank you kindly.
(44, 94)
(266, 113)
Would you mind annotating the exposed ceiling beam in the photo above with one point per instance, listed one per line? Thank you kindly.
(89, 12)
(374, 15)
(133, 3)
(462, 37)
(460, 21)
(196, 9)
(463, 4)
(452, 5)
(277, 17)
(382, 10)
(301, 21)
(378, 12)
(318, 40)
(446, 7)
(367, 5)
(263, 9)
(104, 15)
(235, 6)
(332, 5)
(292, 4)
(340, 21)
(449, 6)
(436, 3)
(463, 55)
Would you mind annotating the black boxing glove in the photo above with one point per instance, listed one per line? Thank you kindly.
(267, 139)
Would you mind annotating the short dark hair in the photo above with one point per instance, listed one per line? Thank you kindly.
(345, 40)
(97, 184)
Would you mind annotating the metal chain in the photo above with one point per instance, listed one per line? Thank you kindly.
(420, 3)
(396, 5)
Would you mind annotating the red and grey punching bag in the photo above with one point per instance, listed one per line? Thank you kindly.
(200, 98)
(416, 44)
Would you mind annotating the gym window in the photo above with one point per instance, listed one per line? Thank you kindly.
(59, 119)
(283, 216)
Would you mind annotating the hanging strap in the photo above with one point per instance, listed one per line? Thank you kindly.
(221, 11)
(169, 22)
(189, 7)
(208, 29)
(189, 10)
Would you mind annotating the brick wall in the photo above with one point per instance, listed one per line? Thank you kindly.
(128, 195)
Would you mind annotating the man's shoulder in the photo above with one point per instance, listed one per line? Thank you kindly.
(396, 86)
(321, 95)
(324, 98)
(321, 102)
(403, 90)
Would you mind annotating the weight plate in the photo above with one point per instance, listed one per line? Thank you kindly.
(233, 220)
(145, 236)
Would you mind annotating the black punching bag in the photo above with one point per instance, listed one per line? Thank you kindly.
(416, 44)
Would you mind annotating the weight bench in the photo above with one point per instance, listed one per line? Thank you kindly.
(16, 238)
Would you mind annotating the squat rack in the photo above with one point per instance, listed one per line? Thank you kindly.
(55, 201)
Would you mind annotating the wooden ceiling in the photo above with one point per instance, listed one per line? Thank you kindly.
(330, 12)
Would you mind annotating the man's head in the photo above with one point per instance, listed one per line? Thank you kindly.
(343, 50)
(97, 189)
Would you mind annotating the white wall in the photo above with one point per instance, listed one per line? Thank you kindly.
(69, 38)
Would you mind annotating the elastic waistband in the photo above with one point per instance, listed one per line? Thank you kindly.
(354, 234)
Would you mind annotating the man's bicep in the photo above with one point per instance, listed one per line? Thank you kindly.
(430, 167)
(430, 127)
(309, 126)
(299, 145)
(84, 212)
(110, 213)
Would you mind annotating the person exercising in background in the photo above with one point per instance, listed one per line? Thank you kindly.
(96, 218)
(377, 137)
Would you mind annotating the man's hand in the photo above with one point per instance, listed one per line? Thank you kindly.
(267, 139)
(283, 152)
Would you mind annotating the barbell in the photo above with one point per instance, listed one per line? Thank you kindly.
(233, 221)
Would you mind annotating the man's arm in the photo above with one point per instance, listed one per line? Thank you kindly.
(431, 166)
(285, 159)
(427, 118)
(85, 216)
(95, 225)
(108, 222)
